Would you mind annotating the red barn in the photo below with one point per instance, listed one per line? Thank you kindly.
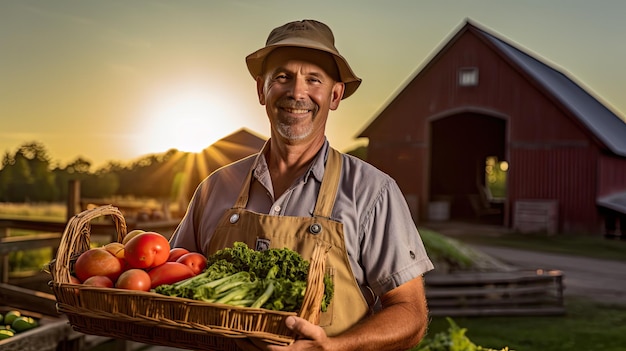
(481, 103)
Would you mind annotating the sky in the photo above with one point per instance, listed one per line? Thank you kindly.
(119, 79)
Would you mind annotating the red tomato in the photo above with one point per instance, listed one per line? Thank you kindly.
(169, 273)
(99, 280)
(134, 279)
(97, 261)
(176, 252)
(194, 260)
(147, 250)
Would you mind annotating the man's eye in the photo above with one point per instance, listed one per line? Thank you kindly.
(281, 77)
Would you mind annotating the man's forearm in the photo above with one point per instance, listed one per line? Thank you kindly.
(400, 325)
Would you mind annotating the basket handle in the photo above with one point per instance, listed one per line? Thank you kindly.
(76, 238)
(315, 283)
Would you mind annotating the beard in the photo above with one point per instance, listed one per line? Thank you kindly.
(295, 128)
(293, 132)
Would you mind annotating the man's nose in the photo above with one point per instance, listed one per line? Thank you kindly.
(299, 88)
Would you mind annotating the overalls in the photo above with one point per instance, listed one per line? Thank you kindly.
(262, 231)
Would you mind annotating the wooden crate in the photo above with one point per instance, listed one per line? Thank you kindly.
(496, 293)
(53, 333)
(536, 216)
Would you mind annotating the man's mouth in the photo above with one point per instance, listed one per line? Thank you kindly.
(296, 111)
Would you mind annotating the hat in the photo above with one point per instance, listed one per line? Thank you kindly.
(306, 34)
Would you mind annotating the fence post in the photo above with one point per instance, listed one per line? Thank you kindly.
(73, 198)
(4, 259)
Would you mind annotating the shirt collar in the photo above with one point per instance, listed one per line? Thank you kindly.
(319, 163)
(261, 169)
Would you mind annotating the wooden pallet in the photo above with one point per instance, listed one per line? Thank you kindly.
(496, 293)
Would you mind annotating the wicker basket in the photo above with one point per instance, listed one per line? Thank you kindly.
(152, 318)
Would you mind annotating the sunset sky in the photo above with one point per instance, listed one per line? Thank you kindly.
(117, 79)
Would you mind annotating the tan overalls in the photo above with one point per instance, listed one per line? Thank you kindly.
(262, 231)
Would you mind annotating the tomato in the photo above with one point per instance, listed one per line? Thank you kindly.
(97, 261)
(169, 273)
(99, 280)
(74, 280)
(175, 253)
(147, 250)
(134, 279)
(194, 260)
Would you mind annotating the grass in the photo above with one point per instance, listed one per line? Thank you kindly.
(587, 326)
(594, 246)
(35, 212)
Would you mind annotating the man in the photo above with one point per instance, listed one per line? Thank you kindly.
(298, 191)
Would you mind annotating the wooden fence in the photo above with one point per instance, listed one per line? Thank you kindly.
(28, 293)
(496, 293)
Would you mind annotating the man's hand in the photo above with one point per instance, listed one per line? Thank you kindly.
(310, 337)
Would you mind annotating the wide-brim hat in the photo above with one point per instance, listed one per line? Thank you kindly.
(308, 34)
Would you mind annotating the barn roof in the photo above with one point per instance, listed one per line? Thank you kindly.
(602, 122)
(615, 202)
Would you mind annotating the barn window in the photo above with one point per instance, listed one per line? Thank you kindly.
(468, 76)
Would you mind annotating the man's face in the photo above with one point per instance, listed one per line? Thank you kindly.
(298, 90)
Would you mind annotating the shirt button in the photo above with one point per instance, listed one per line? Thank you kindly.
(277, 209)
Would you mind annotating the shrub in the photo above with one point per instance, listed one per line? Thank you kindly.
(452, 340)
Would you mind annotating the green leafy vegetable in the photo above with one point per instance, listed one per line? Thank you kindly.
(274, 279)
(454, 340)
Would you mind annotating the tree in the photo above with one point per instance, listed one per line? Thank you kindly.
(79, 165)
(26, 176)
(6, 176)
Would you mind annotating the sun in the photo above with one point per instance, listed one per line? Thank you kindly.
(187, 120)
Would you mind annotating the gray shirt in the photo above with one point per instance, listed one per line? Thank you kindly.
(383, 244)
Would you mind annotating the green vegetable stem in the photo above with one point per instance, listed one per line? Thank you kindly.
(273, 279)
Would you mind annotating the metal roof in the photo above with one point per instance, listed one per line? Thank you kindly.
(615, 202)
(601, 121)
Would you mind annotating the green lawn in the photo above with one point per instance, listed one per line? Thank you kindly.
(595, 246)
(587, 326)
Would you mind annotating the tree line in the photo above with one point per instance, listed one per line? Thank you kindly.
(29, 175)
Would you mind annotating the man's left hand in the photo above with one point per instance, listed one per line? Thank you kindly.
(310, 337)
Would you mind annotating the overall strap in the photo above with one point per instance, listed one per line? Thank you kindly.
(242, 199)
(328, 189)
(330, 184)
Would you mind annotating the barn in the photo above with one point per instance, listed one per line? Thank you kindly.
(486, 132)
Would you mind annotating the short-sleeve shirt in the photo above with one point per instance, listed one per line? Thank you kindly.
(382, 242)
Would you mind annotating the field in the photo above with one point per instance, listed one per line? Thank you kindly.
(43, 212)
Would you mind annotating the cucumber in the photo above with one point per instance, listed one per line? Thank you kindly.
(24, 323)
(5, 334)
(11, 316)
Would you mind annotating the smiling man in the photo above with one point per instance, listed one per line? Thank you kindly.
(299, 190)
